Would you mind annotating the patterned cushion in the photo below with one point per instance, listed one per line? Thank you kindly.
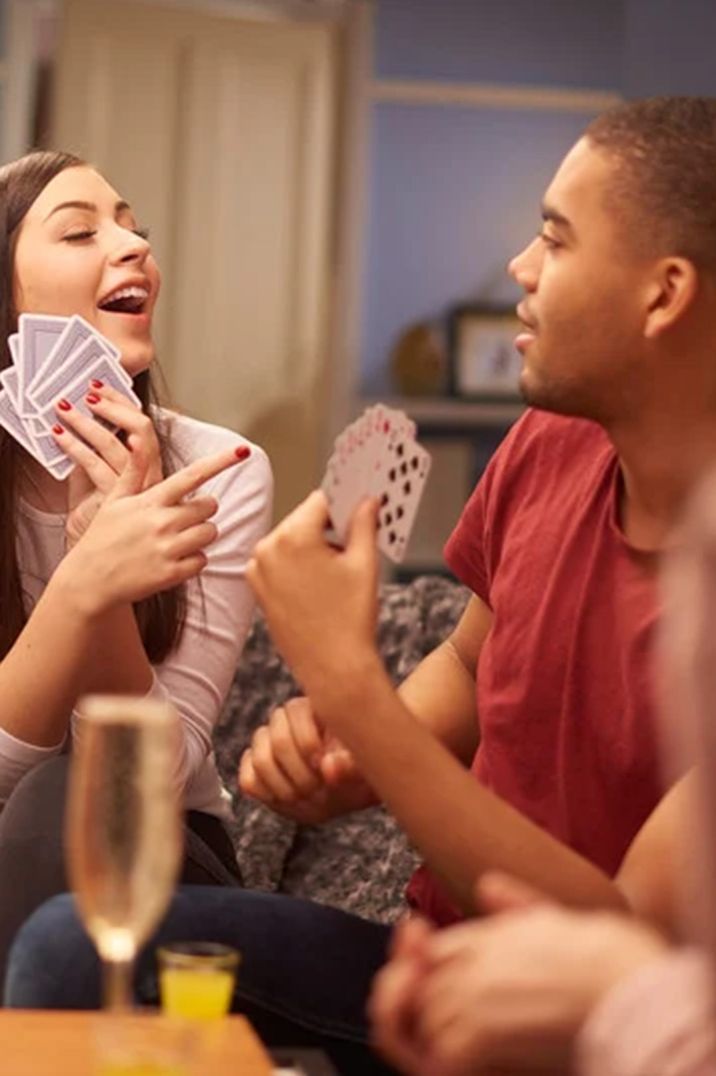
(360, 862)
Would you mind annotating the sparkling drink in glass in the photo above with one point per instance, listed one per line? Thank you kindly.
(124, 828)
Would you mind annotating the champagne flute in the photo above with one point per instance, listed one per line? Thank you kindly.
(124, 828)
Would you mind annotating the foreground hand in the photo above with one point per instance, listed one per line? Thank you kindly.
(320, 602)
(142, 541)
(515, 990)
(103, 457)
(393, 1004)
(298, 770)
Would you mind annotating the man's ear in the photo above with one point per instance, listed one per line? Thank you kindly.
(670, 294)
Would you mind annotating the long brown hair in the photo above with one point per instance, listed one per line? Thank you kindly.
(161, 616)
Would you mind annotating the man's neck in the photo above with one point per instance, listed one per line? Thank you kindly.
(661, 459)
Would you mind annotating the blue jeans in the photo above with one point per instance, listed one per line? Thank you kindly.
(304, 978)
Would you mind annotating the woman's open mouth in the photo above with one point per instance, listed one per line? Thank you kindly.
(128, 300)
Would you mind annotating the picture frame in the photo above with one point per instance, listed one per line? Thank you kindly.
(484, 363)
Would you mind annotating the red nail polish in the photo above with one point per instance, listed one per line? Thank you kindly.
(64, 405)
(96, 383)
(242, 452)
(58, 429)
(92, 398)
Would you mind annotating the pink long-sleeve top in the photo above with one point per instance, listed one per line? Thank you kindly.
(659, 1022)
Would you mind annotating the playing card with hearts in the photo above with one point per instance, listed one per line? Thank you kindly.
(54, 358)
(378, 456)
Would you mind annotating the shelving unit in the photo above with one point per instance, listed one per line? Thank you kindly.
(442, 412)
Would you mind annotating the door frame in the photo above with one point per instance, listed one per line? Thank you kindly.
(356, 19)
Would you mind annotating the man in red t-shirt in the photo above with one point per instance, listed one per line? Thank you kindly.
(558, 545)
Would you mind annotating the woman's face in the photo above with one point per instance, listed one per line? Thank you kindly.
(79, 251)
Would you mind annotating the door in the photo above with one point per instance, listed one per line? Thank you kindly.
(220, 131)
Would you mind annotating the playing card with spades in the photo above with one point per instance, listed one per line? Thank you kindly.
(377, 456)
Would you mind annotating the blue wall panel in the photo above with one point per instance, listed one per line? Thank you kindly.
(541, 42)
(669, 47)
(454, 193)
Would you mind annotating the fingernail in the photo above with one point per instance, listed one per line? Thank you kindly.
(96, 383)
(242, 452)
(58, 429)
(92, 398)
(64, 405)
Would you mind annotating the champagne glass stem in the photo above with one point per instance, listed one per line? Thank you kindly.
(117, 984)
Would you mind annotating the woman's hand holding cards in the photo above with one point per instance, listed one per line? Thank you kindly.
(100, 455)
(145, 540)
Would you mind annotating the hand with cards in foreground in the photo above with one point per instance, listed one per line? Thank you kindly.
(100, 456)
(299, 770)
(321, 603)
(142, 541)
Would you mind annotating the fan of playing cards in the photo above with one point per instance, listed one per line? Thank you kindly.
(54, 358)
(378, 456)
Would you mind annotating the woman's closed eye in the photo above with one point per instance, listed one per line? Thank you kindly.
(79, 236)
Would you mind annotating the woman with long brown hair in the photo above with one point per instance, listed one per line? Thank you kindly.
(99, 587)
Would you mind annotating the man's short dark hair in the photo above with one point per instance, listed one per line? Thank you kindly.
(664, 188)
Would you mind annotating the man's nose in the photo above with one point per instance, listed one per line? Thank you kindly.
(524, 267)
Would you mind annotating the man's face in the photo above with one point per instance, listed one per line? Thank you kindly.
(582, 308)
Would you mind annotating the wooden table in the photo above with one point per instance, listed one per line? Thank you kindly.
(34, 1043)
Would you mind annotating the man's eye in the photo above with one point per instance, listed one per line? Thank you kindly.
(549, 241)
(78, 237)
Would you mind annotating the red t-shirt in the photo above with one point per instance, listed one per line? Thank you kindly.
(564, 691)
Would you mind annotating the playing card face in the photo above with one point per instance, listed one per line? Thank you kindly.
(36, 337)
(347, 474)
(377, 456)
(399, 486)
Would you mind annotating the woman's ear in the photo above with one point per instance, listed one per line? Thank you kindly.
(670, 294)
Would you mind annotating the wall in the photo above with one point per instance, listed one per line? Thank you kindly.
(453, 191)
(668, 47)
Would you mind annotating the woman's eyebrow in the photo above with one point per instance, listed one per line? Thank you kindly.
(90, 206)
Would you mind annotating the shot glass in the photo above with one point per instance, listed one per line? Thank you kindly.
(196, 979)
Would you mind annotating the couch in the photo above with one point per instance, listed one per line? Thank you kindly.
(360, 862)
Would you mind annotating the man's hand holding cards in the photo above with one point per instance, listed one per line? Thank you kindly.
(54, 359)
(377, 456)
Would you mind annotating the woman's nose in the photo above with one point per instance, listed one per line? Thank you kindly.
(131, 248)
